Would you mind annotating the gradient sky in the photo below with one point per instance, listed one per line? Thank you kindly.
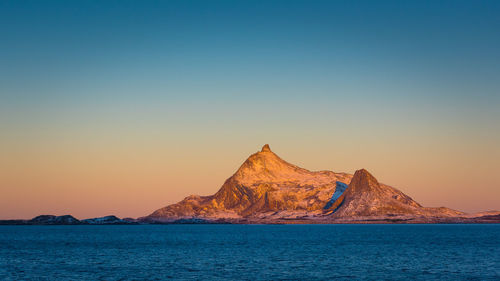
(122, 107)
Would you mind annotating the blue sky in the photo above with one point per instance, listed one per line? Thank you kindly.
(273, 49)
(219, 75)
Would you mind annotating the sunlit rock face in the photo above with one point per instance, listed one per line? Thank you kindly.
(263, 184)
(269, 188)
(366, 197)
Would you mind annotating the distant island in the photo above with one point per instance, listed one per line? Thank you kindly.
(269, 190)
(68, 220)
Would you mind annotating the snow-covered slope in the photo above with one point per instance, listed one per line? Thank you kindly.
(365, 197)
(264, 184)
(266, 187)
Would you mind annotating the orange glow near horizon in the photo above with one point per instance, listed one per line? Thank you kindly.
(133, 181)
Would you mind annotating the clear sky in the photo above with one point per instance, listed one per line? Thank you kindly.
(122, 107)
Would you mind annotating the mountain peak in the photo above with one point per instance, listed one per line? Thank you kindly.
(363, 178)
(266, 166)
(265, 148)
(365, 196)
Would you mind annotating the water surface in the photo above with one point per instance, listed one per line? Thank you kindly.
(250, 252)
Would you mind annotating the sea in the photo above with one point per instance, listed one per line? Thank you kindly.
(251, 252)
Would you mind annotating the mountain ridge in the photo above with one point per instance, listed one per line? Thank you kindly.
(266, 188)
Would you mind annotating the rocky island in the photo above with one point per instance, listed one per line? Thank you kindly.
(268, 190)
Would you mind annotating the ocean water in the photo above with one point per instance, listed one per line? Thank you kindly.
(250, 252)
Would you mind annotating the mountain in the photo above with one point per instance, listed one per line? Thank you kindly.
(366, 197)
(263, 184)
(268, 189)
